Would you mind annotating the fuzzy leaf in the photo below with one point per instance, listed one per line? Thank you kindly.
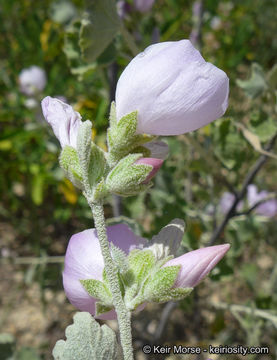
(97, 165)
(141, 262)
(256, 84)
(174, 294)
(122, 137)
(161, 282)
(100, 191)
(69, 162)
(126, 177)
(86, 339)
(98, 290)
(112, 117)
(120, 258)
(101, 308)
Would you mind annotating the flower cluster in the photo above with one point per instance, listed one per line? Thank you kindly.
(169, 89)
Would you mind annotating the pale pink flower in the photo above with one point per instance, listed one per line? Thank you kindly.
(195, 265)
(32, 80)
(268, 208)
(83, 260)
(143, 6)
(155, 163)
(64, 120)
(173, 89)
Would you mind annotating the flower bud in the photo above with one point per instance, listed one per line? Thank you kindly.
(195, 265)
(32, 80)
(173, 89)
(268, 208)
(155, 163)
(143, 5)
(83, 260)
(64, 120)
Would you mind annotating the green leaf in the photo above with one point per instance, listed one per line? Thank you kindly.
(98, 290)
(161, 282)
(27, 354)
(37, 188)
(101, 308)
(126, 178)
(73, 52)
(272, 77)
(256, 85)
(112, 117)
(7, 346)
(141, 262)
(174, 294)
(98, 28)
(120, 258)
(86, 339)
(122, 137)
(69, 162)
(91, 157)
(62, 12)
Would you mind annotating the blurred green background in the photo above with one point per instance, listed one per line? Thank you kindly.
(40, 209)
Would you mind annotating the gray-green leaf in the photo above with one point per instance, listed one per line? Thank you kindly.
(87, 340)
(256, 84)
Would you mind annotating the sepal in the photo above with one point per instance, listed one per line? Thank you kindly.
(69, 162)
(122, 137)
(126, 178)
(91, 158)
(160, 283)
(98, 290)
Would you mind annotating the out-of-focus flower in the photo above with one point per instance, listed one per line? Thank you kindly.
(268, 208)
(123, 8)
(173, 89)
(143, 5)
(195, 265)
(155, 163)
(64, 120)
(83, 260)
(226, 202)
(216, 23)
(32, 80)
(31, 103)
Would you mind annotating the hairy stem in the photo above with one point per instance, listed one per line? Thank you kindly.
(123, 315)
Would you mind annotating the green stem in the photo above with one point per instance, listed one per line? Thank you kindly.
(123, 315)
(129, 40)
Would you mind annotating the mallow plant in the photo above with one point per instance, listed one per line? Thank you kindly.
(109, 272)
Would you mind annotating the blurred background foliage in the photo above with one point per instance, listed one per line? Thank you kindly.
(82, 56)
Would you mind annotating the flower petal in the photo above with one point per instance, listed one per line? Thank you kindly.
(173, 89)
(195, 265)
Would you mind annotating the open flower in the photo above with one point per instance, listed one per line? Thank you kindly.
(84, 261)
(268, 208)
(32, 80)
(64, 120)
(173, 89)
(226, 202)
